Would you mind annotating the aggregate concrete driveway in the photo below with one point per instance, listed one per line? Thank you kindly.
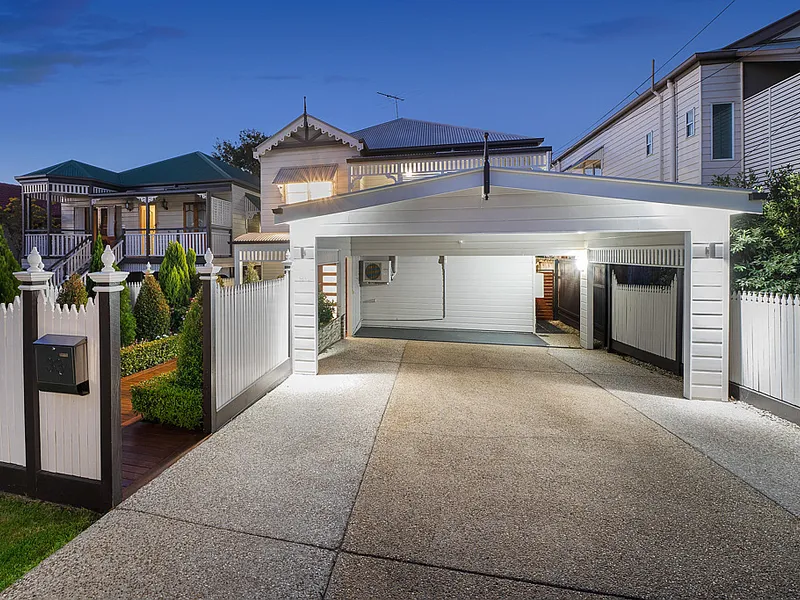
(432, 470)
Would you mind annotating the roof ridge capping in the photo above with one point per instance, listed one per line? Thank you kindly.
(768, 32)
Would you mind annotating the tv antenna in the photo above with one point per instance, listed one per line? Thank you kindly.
(396, 100)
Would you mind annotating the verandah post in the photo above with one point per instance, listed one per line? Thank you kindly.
(107, 289)
(208, 276)
(34, 281)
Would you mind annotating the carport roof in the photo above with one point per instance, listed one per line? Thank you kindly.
(729, 199)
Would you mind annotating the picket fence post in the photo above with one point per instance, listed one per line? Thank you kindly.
(208, 276)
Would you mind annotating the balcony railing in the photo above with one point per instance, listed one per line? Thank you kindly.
(138, 241)
(54, 245)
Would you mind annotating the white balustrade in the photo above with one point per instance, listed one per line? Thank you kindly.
(136, 242)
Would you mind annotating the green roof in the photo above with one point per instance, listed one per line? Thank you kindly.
(196, 167)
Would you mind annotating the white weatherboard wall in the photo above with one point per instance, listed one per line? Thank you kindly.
(482, 292)
(765, 344)
(12, 393)
(70, 425)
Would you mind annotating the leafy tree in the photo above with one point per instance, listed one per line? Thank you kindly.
(9, 286)
(173, 275)
(73, 292)
(190, 346)
(324, 310)
(250, 274)
(239, 153)
(194, 276)
(151, 311)
(11, 220)
(766, 248)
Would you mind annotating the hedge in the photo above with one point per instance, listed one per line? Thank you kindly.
(144, 355)
(163, 400)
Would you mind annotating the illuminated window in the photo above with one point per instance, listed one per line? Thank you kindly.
(302, 192)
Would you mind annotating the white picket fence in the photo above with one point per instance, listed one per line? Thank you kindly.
(134, 289)
(645, 317)
(52, 291)
(70, 425)
(252, 334)
(765, 344)
(12, 393)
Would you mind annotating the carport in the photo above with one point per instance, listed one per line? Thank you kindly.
(513, 218)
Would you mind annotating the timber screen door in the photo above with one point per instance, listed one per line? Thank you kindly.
(194, 216)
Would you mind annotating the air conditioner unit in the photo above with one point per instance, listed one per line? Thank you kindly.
(374, 271)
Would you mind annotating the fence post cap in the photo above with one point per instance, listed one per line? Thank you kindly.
(108, 260)
(148, 270)
(108, 281)
(208, 272)
(35, 278)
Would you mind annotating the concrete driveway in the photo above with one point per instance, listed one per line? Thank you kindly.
(434, 470)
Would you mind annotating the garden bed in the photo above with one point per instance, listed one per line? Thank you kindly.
(145, 355)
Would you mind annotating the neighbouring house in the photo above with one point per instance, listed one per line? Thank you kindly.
(194, 199)
(418, 227)
(719, 112)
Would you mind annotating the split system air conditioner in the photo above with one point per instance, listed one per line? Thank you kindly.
(378, 270)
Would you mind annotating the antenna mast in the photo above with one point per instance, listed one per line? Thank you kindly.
(396, 100)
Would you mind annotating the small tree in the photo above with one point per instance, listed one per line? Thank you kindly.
(190, 346)
(173, 275)
(127, 322)
(194, 276)
(250, 274)
(239, 153)
(73, 292)
(96, 263)
(324, 310)
(151, 311)
(9, 286)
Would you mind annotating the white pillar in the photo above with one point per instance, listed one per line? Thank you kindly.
(304, 299)
(587, 303)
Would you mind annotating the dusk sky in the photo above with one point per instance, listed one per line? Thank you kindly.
(123, 84)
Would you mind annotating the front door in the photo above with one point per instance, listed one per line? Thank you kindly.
(143, 226)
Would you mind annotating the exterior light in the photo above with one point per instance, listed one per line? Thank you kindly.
(582, 262)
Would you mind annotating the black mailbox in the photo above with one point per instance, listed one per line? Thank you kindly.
(62, 364)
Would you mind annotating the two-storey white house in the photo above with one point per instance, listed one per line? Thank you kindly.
(423, 230)
(719, 112)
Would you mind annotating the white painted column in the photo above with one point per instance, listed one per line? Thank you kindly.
(587, 306)
(707, 268)
(304, 300)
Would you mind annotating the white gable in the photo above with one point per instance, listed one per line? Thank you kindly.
(307, 130)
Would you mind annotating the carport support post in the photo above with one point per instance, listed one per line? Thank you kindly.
(34, 280)
(208, 276)
(587, 306)
(108, 285)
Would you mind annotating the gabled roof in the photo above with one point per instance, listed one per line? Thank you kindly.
(658, 192)
(774, 31)
(413, 133)
(313, 124)
(77, 170)
(195, 167)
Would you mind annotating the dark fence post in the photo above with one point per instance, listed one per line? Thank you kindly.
(208, 276)
(107, 289)
(34, 280)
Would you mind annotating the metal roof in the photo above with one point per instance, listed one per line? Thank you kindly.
(411, 133)
(305, 174)
(196, 167)
(279, 237)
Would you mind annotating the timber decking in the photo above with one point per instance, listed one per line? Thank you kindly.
(148, 448)
(130, 416)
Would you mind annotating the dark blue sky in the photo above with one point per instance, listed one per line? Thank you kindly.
(122, 84)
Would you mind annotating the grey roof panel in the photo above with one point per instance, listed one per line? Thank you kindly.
(409, 133)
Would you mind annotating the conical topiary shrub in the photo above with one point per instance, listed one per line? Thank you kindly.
(190, 346)
(250, 274)
(73, 292)
(9, 286)
(127, 322)
(194, 276)
(96, 264)
(151, 311)
(173, 275)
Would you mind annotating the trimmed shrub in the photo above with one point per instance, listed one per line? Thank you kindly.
(144, 355)
(190, 347)
(324, 310)
(194, 276)
(127, 322)
(9, 286)
(173, 275)
(73, 292)
(250, 274)
(164, 400)
(151, 311)
(96, 264)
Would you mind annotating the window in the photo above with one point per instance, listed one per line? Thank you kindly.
(722, 131)
(194, 215)
(313, 190)
(648, 141)
(690, 123)
(591, 165)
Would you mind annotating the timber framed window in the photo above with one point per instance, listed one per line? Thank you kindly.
(690, 123)
(194, 216)
(648, 143)
(722, 131)
(309, 190)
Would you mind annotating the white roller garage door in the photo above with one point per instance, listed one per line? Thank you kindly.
(483, 292)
